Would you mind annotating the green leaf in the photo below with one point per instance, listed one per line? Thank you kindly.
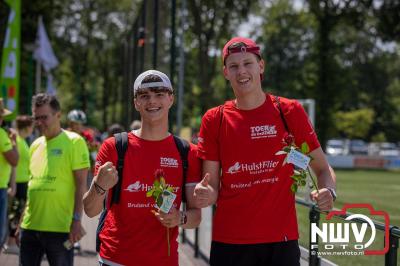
(170, 189)
(296, 177)
(156, 193)
(150, 192)
(162, 181)
(293, 187)
(159, 201)
(304, 148)
(280, 153)
(303, 182)
(156, 184)
(286, 149)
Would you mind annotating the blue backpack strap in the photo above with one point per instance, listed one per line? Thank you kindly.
(121, 144)
(183, 147)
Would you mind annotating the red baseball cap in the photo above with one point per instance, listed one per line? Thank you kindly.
(240, 45)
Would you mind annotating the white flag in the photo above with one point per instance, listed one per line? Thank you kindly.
(43, 52)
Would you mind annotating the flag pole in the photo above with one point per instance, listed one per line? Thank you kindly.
(38, 76)
(38, 65)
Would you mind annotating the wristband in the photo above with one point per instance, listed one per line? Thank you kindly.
(76, 217)
(99, 189)
(333, 192)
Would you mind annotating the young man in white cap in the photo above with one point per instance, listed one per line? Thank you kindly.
(8, 159)
(255, 220)
(133, 234)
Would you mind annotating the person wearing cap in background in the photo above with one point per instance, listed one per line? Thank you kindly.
(8, 159)
(59, 163)
(255, 220)
(132, 233)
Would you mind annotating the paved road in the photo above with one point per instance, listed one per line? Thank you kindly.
(87, 255)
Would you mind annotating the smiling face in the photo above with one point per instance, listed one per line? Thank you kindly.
(153, 104)
(243, 72)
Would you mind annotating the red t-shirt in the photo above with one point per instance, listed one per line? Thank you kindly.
(131, 234)
(255, 203)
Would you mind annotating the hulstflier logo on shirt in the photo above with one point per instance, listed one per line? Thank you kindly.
(263, 131)
(253, 168)
(137, 187)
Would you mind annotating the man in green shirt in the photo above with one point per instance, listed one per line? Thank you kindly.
(59, 162)
(8, 159)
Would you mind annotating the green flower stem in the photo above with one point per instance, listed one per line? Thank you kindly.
(169, 245)
(312, 179)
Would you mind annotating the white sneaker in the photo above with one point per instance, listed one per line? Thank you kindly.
(13, 249)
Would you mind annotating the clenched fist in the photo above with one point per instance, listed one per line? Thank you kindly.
(107, 176)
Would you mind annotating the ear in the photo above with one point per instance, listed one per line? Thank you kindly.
(225, 71)
(261, 63)
(172, 98)
(135, 104)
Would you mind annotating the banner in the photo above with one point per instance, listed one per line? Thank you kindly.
(10, 65)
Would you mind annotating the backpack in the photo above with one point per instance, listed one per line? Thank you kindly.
(121, 144)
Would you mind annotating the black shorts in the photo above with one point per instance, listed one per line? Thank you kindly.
(279, 253)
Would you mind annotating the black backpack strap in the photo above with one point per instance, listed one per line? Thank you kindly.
(278, 102)
(121, 144)
(183, 147)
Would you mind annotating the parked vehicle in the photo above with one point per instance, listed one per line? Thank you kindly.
(337, 147)
(388, 149)
(358, 146)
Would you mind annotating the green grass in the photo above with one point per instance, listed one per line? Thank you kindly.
(381, 189)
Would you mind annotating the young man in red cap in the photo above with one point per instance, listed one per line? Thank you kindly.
(255, 220)
(133, 234)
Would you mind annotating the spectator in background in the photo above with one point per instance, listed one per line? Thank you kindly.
(114, 129)
(76, 122)
(59, 162)
(24, 125)
(136, 124)
(8, 159)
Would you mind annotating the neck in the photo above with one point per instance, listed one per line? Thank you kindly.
(153, 131)
(53, 134)
(22, 133)
(250, 101)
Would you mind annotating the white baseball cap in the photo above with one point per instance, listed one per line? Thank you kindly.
(165, 82)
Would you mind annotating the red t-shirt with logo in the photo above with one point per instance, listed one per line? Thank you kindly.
(132, 235)
(255, 203)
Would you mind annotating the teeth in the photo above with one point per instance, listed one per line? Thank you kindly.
(243, 80)
(153, 109)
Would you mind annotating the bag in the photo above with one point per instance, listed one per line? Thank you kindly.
(121, 144)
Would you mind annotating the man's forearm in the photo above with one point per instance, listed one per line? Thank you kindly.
(93, 200)
(193, 218)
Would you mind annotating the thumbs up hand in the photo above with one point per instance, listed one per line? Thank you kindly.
(202, 192)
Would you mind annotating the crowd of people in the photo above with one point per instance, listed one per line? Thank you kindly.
(235, 166)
